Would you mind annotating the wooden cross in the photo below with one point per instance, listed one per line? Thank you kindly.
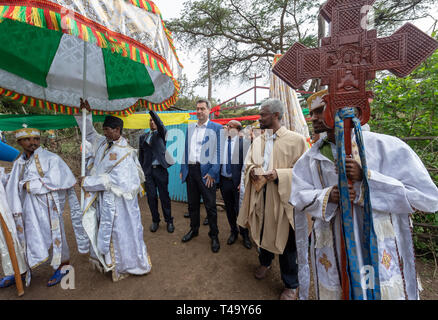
(352, 55)
(346, 61)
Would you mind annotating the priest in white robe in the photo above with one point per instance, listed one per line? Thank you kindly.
(6, 214)
(399, 184)
(39, 185)
(112, 217)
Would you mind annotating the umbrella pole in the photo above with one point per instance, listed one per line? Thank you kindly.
(84, 124)
(84, 135)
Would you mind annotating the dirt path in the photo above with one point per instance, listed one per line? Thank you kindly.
(179, 270)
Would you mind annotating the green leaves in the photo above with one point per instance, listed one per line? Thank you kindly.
(244, 35)
(406, 108)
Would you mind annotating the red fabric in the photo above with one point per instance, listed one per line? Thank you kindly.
(225, 121)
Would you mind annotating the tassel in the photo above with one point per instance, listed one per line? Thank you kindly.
(54, 21)
(35, 18)
(16, 14)
(85, 35)
(101, 40)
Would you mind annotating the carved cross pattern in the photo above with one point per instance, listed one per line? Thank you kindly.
(352, 55)
(325, 262)
(386, 259)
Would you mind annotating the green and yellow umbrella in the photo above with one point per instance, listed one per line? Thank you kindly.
(117, 54)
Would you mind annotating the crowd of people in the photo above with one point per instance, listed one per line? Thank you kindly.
(278, 193)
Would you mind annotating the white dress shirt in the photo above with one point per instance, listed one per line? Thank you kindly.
(196, 142)
(269, 146)
(225, 156)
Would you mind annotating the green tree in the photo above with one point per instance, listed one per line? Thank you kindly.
(406, 108)
(8, 106)
(244, 35)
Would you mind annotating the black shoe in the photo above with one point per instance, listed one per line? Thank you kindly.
(191, 234)
(170, 227)
(232, 238)
(247, 242)
(215, 246)
(154, 226)
(186, 215)
(205, 222)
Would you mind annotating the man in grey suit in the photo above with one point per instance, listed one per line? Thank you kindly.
(155, 160)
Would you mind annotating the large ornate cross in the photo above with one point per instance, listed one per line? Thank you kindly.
(352, 55)
(346, 61)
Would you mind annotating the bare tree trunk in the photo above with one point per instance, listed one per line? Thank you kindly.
(210, 85)
(209, 74)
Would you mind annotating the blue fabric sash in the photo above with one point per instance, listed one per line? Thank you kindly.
(368, 247)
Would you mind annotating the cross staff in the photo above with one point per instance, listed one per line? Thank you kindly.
(346, 60)
(352, 55)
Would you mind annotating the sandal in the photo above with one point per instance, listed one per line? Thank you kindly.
(9, 281)
(57, 276)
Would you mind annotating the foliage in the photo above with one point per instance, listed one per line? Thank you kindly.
(391, 14)
(405, 107)
(244, 35)
(8, 106)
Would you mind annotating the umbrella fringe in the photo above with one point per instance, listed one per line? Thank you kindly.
(89, 31)
(45, 16)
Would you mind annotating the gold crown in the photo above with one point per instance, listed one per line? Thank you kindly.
(27, 133)
(316, 100)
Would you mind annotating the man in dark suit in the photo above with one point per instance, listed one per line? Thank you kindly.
(200, 169)
(233, 153)
(155, 160)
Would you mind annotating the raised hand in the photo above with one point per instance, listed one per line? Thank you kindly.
(85, 104)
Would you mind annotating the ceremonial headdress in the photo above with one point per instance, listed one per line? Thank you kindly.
(113, 122)
(27, 133)
(315, 100)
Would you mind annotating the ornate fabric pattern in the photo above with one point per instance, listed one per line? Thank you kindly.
(369, 247)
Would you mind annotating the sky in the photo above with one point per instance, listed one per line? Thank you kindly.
(172, 8)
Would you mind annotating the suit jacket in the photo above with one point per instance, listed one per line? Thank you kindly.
(210, 153)
(237, 158)
(155, 148)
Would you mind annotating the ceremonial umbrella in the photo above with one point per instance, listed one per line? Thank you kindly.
(293, 117)
(117, 54)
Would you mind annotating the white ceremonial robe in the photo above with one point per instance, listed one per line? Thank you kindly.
(112, 217)
(399, 184)
(37, 190)
(10, 223)
(4, 177)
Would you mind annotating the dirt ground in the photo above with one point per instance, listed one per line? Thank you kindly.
(181, 271)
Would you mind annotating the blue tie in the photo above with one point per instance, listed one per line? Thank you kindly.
(228, 166)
